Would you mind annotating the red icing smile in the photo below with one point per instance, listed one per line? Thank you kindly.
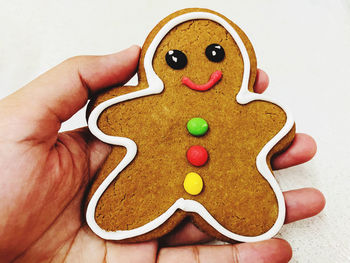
(214, 78)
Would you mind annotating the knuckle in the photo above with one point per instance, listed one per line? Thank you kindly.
(235, 254)
(195, 253)
(73, 60)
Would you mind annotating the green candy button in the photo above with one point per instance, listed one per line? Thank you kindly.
(197, 126)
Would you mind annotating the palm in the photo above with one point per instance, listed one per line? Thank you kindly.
(62, 182)
(45, 174)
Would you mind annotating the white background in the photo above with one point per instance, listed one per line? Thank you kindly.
(303, 45)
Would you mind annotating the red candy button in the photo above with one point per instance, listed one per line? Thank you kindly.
(197, 155)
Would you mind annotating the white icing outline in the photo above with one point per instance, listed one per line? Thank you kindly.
(156, 86)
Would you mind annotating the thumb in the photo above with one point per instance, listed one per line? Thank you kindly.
(38, 109)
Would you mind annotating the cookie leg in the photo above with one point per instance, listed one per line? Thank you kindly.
(127, 210)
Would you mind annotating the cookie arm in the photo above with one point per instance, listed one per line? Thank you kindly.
(111, 93)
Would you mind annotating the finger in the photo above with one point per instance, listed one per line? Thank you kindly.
(303, 203)
(98, 153)
(140, 252)
(185, 234)
(300, 204)
(261, 81)
(57, 94)
(273, 250)
(302, 149)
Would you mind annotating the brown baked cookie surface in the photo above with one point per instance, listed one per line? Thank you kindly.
(202, 68)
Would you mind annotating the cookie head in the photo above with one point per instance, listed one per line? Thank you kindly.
(199, 55)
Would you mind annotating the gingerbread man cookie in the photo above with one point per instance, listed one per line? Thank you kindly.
(192, 139)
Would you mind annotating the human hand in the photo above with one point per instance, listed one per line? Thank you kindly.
(45, 175)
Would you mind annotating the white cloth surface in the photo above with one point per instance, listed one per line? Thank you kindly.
(304, 46)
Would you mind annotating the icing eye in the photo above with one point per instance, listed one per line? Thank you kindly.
(215, 52)
(176, 59)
